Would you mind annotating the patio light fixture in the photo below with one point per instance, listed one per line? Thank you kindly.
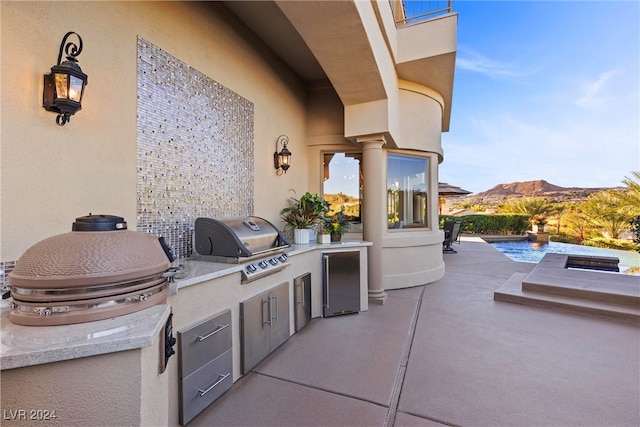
(64, 87)
(282, 159)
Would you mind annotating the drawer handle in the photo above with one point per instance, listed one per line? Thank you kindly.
(210, 334)
(220, 379)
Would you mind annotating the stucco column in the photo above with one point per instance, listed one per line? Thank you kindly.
(374, 218)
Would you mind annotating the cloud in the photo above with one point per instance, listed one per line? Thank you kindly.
(471, 60)
(565, 151)
(593, 91)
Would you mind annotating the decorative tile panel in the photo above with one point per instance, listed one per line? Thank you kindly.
(195, 149)
(6, 267)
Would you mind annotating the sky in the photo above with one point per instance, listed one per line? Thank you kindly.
(544, 90)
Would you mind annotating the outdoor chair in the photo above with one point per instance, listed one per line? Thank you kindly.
(452, 229)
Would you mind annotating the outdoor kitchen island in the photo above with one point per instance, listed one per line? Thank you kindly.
(82, 376)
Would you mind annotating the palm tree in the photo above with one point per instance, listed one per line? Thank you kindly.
(531, 206)
(577, 222)
(631, 199)
(606, 209)
(631, 195)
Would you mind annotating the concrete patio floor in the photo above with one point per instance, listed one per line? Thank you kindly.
(446, 354)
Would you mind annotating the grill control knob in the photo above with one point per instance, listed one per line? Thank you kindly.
(273, 261)
(251, 268)
(263, 264)
(283, 258)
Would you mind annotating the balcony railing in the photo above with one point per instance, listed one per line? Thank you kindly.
(412, 11)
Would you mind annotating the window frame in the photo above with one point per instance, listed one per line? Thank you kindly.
(426, 225)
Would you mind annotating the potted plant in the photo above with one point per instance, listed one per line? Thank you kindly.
(304, 214)
(324, 237)
(337, 225)
(300, 224)
(315, 207)
(538, 223)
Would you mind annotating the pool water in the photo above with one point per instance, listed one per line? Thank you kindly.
(526, 251)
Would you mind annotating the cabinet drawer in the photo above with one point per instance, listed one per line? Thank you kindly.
(205, 385)
(203, 342)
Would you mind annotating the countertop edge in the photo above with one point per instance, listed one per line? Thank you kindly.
(148, 324)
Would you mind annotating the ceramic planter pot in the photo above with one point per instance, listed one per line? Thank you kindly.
(301, 236)
(324, 239)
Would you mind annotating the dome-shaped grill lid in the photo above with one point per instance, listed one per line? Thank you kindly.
(84, 258)
(99, 223)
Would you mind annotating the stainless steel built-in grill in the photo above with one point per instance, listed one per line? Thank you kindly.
(252, 241)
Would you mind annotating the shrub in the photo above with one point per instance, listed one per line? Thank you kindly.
(492, 224)
(608, 243)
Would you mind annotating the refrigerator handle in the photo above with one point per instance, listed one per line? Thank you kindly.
(301, 287)
(326, 278)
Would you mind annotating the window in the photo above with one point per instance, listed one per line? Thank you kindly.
(342, 187)
(407, 184)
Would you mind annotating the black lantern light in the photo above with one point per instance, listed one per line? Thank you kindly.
(282, 159)
(64, 87)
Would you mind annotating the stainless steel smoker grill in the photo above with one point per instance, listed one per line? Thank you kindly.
(249, 240)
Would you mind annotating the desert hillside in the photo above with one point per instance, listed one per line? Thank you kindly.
(538, 188)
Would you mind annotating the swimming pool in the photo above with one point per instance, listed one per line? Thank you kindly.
(526, 251)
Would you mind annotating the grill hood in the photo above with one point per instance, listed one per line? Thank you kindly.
(98, 270)
(82, 258)
(244, 237)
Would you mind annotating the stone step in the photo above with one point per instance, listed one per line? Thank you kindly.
(512, 291)
(596, 295)
(552, 276)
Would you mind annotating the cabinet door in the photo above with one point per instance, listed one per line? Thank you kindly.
(279, 315)
(302, 300)
(256, 324)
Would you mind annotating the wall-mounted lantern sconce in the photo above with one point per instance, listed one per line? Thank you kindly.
(282, 159)
(64, 87)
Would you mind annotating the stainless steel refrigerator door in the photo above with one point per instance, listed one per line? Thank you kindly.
(341, 282)
(302, 295)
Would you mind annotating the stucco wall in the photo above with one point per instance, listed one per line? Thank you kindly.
(420, 118)
(82, 392)
(51, 175)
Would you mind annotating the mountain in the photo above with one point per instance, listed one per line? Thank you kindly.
(539, 188)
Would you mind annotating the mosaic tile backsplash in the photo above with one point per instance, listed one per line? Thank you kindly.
(195, 149)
